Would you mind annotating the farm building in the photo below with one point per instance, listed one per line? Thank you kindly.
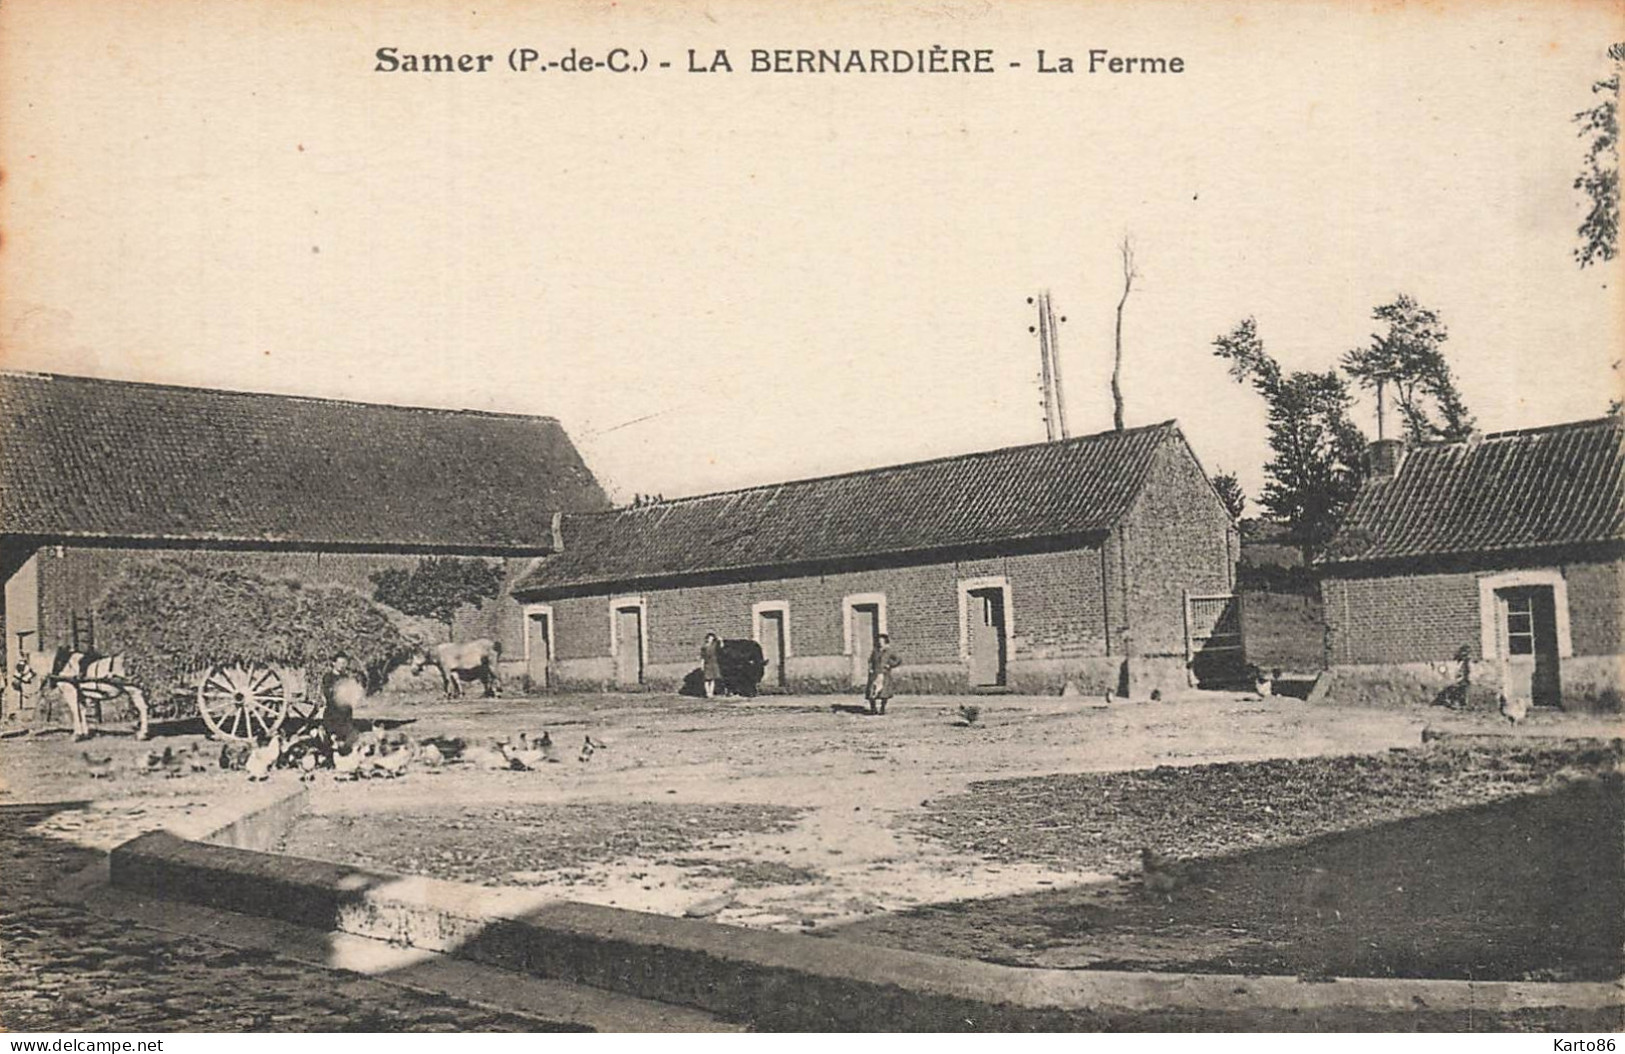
(1020, 569)
(1505, 551)
(97, 473)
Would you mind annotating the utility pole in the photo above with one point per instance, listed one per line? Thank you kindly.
(1055, 426)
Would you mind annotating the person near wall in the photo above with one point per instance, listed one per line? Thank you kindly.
(711, 663)
(882, 661)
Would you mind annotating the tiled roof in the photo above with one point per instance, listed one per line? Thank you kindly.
(1537, 488)
(81, 457)
(1076, 486)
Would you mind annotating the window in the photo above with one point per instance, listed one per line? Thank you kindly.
(1521, 624)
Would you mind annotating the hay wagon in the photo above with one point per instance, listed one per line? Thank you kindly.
(252, 700)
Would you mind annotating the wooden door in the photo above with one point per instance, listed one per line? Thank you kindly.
(540, 657)
(772, 642)
(865, 639)
(984, 631)
(1529, 642)
(628, 646)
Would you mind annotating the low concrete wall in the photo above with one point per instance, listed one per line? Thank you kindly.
(1589, 684)
(788, 981)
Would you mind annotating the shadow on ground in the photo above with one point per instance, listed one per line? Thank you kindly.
(1528, 888)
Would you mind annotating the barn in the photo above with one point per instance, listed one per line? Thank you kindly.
(1018, 569)
(97, 473)
(1493, 565)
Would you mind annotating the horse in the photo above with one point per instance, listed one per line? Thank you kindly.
(81, 677)
(474, 660)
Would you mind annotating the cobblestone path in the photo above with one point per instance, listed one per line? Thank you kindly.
(65, 970)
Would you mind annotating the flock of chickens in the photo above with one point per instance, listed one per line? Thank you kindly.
(388, 755)
(368, 755)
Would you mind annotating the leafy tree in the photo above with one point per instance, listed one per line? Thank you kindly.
(437, 586)
(1409, 360)
(1230, 492)
(1599, 231)
(1315, 467)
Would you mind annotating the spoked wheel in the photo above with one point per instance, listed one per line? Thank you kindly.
(243, 702)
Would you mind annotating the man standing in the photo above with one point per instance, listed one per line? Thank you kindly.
(882, 661)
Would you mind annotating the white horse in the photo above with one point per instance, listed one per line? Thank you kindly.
(474, 660)
(81, 678)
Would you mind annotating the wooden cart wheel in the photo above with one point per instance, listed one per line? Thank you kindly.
(303, 710)
(243, 702)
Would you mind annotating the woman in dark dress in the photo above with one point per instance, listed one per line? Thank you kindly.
(711, 663)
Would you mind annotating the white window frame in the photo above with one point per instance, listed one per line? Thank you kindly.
(966, 586)
(756, 612)
(539, 609)
(1489, 608)
(854, 600)
(619, 604)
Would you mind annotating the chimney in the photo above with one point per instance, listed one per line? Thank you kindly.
(558, 532)
(1383, 459)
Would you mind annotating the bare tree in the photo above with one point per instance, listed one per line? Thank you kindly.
(1125, 248)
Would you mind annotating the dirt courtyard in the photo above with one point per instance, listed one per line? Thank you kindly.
(805, 814)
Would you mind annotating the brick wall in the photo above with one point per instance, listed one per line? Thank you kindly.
(1055, 610)
(1401, 618)
(1596, 607)
(1426, 617)
(1176, 538)
(73, 578)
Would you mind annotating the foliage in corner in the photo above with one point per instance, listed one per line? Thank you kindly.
(437, 586)
(1230, 492)
(1317, 451)
(174, 617)
(1409, 361)
(1599, 231)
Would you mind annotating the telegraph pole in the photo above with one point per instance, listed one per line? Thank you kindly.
(1055, 426)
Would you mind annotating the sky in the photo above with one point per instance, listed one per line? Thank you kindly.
(722, 279)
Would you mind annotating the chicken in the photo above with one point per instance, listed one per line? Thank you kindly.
(590, 746)
(549, 751)
(346, 766)
(527, 755)
(100, 768)
(233, 755)
(1160, 874)
(307, 766)
(429, 755)
(153, 761)
(1514, 709)
(450, 748)
(392, 764)
(486, 756)
(195, 760)
(174, 764)
(262, 759)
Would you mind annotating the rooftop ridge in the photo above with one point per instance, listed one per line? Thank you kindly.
(1171, 422)
(243, 393)
(1603, 421)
